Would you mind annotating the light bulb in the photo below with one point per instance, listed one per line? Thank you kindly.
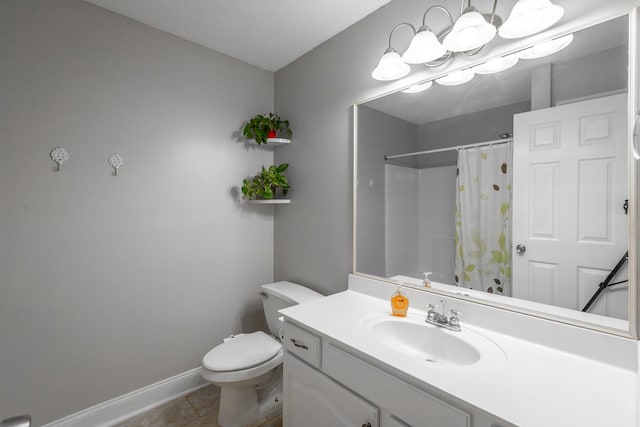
(529, 17)
(424, 47)
(468, 36)
(390, 67)
(469, 32)
(546, 48)
(497, 64)
(418, 88)
(456, 78)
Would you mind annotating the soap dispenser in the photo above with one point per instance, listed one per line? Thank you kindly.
(399, 303)
(426, 282)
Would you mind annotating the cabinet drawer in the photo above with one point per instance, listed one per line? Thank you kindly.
(303, 344)
(414, 406)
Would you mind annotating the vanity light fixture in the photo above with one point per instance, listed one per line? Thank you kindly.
(421, 87)
(529, 17)
(456, 78)
(470, 31)
(425, 46)
(496, 65)
(391, 65)
(547, 48)
(466, 35)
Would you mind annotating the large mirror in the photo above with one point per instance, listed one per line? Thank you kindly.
(511, 189)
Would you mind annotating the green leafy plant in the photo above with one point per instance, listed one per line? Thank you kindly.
(265, 183)
(258, 128)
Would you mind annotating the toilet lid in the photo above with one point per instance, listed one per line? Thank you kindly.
(241, 352)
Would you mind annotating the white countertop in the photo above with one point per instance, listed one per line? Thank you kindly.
(610, 322)
(533, 385)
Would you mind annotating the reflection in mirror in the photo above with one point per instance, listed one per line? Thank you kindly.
(510, 185)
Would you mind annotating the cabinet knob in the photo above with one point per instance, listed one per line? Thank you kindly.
(366, 425)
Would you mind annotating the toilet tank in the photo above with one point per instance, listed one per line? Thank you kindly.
(279, 295)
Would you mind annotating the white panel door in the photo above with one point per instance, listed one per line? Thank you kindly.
(569, 187)
(312, 399)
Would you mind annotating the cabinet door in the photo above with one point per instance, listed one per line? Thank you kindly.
(408, 404)
(311, 399)
(391, 421)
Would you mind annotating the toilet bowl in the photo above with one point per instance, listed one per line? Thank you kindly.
(244, 361)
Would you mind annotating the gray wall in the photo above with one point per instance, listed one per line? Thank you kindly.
(380, 133)
(598, 73)
(108, 284)
(313, 236)
(486, 125)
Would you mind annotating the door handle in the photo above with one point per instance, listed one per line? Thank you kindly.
(520, 249)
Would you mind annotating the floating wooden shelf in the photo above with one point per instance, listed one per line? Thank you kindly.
(271, 202)
(274, 142)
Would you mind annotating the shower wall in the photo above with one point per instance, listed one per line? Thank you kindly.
(402, 220)
(380, 134)
(436, 219)
(472, 128)
(419, 207)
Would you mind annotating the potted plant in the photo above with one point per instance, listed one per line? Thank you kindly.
(261, 127)
(265, 184)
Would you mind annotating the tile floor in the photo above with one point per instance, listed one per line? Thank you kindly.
(196, 409)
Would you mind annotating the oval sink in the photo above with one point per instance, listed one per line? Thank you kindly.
(413, 337)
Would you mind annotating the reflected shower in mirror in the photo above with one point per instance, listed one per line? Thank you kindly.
(510, 185)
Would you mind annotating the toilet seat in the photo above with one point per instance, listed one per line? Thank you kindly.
(243, 351)
(252, 355)
(238, 378)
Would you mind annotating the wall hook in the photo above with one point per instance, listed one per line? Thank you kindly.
(115, 161)
(59, 155)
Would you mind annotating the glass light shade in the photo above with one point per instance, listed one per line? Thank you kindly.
(529, 17)
(424, 47)
(547, 48)
(390, 67)
(418, 88)
(496, 65)
(456, 78)
(469, 32)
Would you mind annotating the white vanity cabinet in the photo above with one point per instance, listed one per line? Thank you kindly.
(315, 400)
(326, 384)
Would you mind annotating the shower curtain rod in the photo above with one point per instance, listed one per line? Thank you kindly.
(459, 147)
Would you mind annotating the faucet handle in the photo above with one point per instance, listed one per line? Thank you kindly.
(454, 320)
(432, 313)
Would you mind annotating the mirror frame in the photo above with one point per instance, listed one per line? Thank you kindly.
(633, 112)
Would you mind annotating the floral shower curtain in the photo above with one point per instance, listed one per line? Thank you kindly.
(483, 219)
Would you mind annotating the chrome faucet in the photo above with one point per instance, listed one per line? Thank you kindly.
(451, 322)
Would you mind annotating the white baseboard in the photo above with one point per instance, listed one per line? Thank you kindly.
(128, 405)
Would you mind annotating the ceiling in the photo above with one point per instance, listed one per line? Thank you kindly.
(266, 33)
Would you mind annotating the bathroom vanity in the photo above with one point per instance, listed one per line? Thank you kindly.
(544, 340)
(350, 363)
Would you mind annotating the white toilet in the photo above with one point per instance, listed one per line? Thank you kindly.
(243, 361)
